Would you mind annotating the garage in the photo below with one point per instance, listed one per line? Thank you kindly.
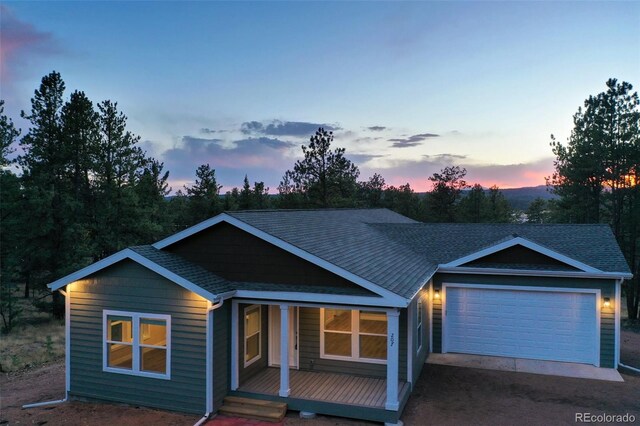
(535, 323)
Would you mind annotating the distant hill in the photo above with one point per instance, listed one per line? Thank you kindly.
(520, 198)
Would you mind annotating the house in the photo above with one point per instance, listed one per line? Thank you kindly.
(333, 311)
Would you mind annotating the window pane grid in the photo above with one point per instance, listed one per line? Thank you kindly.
(367, 331)
(137, 344)
(252, 334)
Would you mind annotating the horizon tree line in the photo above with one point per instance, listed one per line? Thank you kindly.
(86, 189)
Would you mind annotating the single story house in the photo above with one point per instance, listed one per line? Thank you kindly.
(333, 311)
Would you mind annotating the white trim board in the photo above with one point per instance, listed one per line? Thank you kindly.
(531, 272)
(138, 258)
(391, 297)
(322, 298)
(524, 243)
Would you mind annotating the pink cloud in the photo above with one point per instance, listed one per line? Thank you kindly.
(19, 41)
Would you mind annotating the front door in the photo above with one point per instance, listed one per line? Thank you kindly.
(274, 336)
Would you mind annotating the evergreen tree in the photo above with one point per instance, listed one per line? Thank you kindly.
(152, 188)
(56, 246)
(473, 206)
(537, 211)
(8, 135)
(203, 196)
(598, 170)
(370, 193)
(403, 200)
(447, 189)
(261, 199)
(10, 221)
(245, 199)
(117, 164)
(499, 210)
(324, 178)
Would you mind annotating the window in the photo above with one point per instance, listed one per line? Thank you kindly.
(353, 335)
(252, 334)
(419, 314)
(138, 344)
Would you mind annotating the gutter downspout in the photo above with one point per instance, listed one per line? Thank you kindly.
(67, 343)
(209, 361)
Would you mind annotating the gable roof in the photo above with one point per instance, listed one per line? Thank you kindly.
(593, 247)
(381, 251)
(339, 240)
(170, 266)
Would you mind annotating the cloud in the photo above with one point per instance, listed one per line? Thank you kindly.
(20, 43)
(284, 128)
(445, 157)
(376, 128)
(263, 159)
(208, 131)
(412, 140)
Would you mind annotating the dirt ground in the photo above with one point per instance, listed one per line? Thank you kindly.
(443, 396)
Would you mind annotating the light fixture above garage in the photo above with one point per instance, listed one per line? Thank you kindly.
(607, 302)
(436, 294)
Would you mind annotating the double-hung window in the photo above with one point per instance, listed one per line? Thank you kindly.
(137, 344)
(353, 335)
(252, 334)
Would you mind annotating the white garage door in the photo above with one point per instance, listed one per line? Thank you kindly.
(546, 325)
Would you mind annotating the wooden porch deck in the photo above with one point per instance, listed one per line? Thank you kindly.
(326, 387)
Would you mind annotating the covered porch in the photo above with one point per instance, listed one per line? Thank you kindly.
(325, 387)
(305, 358)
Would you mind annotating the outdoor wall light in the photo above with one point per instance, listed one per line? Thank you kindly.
(436, 294)
(607, 302)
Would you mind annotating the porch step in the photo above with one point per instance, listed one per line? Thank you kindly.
(254, 408)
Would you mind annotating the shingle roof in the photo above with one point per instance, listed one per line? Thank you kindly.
(344, 238)
(394, 252)
(217, 285)
(592, 244)
(185, 269)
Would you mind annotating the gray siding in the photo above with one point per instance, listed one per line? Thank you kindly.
(221, 352)
(247, 372)
(309, 340)
(607, 315)
(128, 286)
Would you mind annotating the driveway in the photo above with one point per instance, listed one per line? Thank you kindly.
(444, 395)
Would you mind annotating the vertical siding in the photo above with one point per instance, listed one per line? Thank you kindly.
(309, 340)
(221, 351)
(247, 372)
(127, 286)
(607, 316)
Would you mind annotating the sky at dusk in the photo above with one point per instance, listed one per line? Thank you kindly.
(407, 88)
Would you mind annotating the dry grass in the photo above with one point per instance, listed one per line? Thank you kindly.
(36, 340)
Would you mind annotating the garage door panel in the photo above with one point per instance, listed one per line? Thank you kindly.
(559, 326)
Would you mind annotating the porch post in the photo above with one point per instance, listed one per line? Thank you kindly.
(393, 334)
(234, 345)
(284, 350)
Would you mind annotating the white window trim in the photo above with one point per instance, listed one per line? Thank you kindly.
(244, 346)
(136, 345)
(419, 322)
(355, 340)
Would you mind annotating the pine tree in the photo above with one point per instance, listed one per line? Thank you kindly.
(203, 196)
